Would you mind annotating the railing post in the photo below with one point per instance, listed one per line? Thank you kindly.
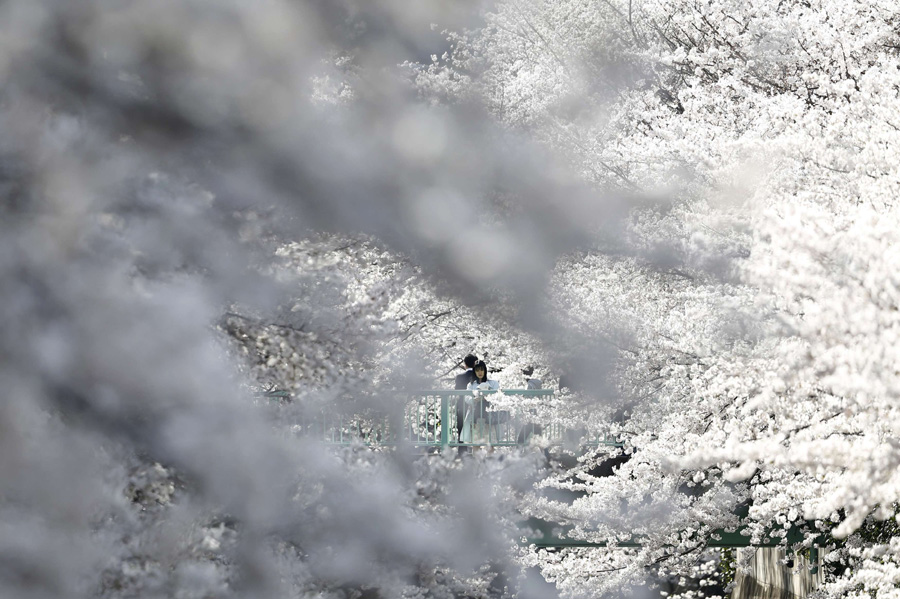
(445, 422)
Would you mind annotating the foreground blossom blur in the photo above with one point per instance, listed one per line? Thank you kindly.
(684, 210)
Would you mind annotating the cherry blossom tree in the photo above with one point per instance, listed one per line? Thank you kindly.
(681, 209)
(766, 130)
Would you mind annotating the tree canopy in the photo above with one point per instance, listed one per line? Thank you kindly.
(682, 210)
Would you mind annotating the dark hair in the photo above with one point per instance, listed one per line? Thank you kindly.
(528, 370)
(480, 364)
(470, 360)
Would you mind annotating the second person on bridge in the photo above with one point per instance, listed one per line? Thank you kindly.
(479, 425)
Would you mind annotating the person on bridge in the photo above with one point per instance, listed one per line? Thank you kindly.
(479, 425)
(462, 382)
(531, 383)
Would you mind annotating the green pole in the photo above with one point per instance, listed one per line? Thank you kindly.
(445, 422)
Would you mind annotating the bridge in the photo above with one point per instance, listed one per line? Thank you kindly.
(546, 535)
(429, 421)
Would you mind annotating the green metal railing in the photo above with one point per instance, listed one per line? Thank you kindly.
(430, 419)
(551, 537)
(486, 426)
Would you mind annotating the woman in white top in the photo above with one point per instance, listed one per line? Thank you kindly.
(477, 427)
